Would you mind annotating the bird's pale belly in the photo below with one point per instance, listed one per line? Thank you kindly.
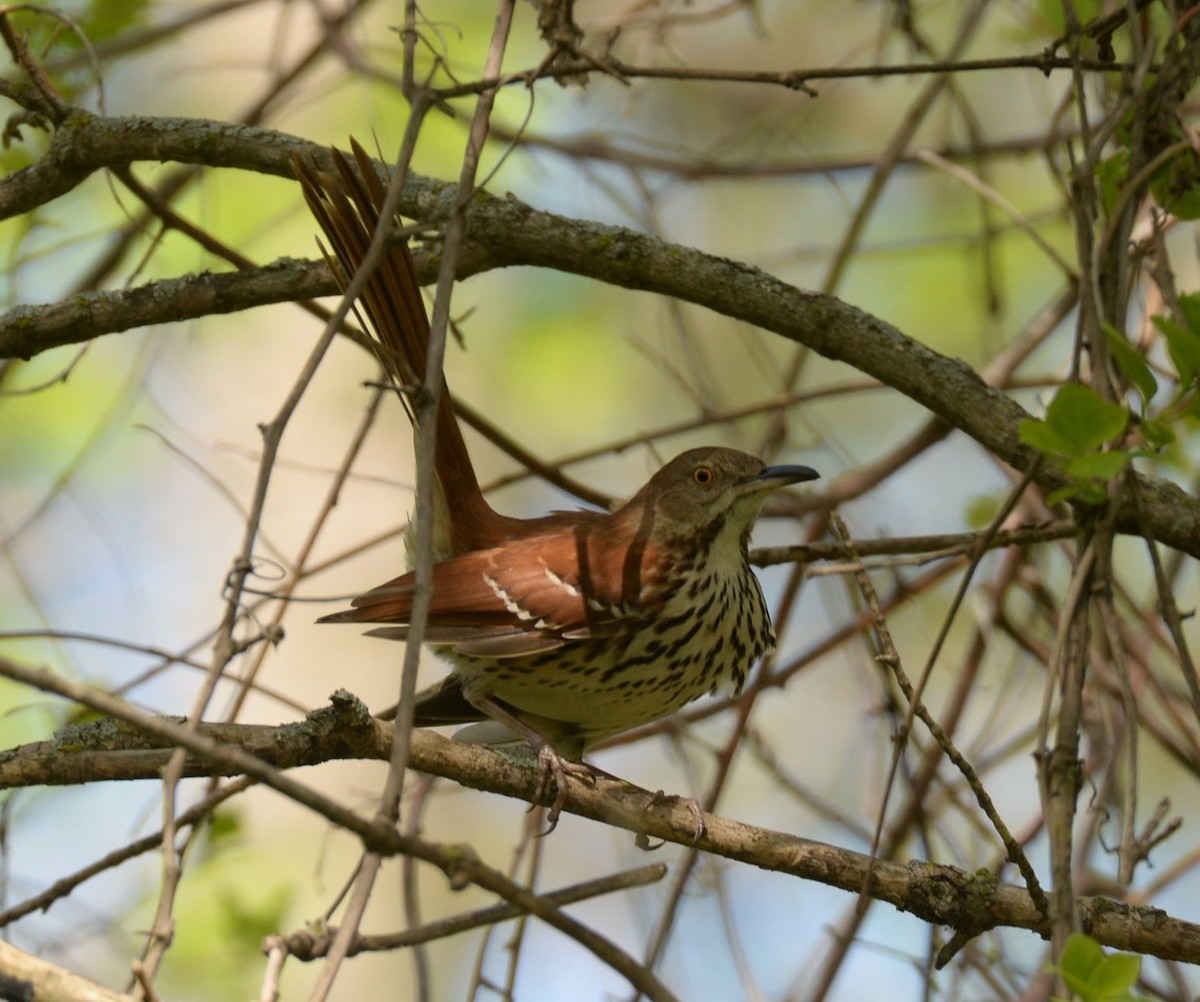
(601, 686)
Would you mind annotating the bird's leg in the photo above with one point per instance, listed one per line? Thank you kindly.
(552, 767)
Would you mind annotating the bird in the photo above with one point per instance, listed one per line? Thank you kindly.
(566, 629)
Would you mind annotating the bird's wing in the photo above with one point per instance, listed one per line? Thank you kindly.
(524, 596)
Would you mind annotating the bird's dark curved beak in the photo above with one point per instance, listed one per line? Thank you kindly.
(775, 477)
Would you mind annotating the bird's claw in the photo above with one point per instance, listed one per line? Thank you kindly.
(554, 769)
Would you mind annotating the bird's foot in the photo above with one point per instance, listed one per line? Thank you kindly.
(553, 769)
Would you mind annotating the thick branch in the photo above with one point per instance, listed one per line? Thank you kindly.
(26, 331)
(969, 902)
(507, 232)
(24, 976)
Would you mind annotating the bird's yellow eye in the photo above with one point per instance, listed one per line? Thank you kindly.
(703, 475)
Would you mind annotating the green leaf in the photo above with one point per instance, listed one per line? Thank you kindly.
(1186, 204)
(1061, 494)
(1116, 975)
(1081, 959)
(1176, 185)
(1183, 346)
(1089, 492)
(1095, 976)
(1131, 365)
(1083, 418)
(1189, 305)
(1038, 435)
(1097, 465)
(1078, 420)
(1157, 433)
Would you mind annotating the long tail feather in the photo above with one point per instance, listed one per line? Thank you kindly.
(347, 207)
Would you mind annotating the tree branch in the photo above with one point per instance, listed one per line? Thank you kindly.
(24, 976)
(971, 903)
(505, 232)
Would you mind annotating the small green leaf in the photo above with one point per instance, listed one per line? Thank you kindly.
(1131, 365)
(1061, 494)
(1081, 959)
(1186, 204)
(1157, 433)
(1038, 435)
(1116, 975)
(1082, 417)
(1183, 346)
(1189, 305)
(1176, 185)
(1097, 465)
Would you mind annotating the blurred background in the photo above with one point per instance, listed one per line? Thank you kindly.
(126, 468)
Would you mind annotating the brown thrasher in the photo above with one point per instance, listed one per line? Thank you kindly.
(572, 627)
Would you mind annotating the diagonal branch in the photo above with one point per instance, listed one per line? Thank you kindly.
(970, 903)
(506, 232)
